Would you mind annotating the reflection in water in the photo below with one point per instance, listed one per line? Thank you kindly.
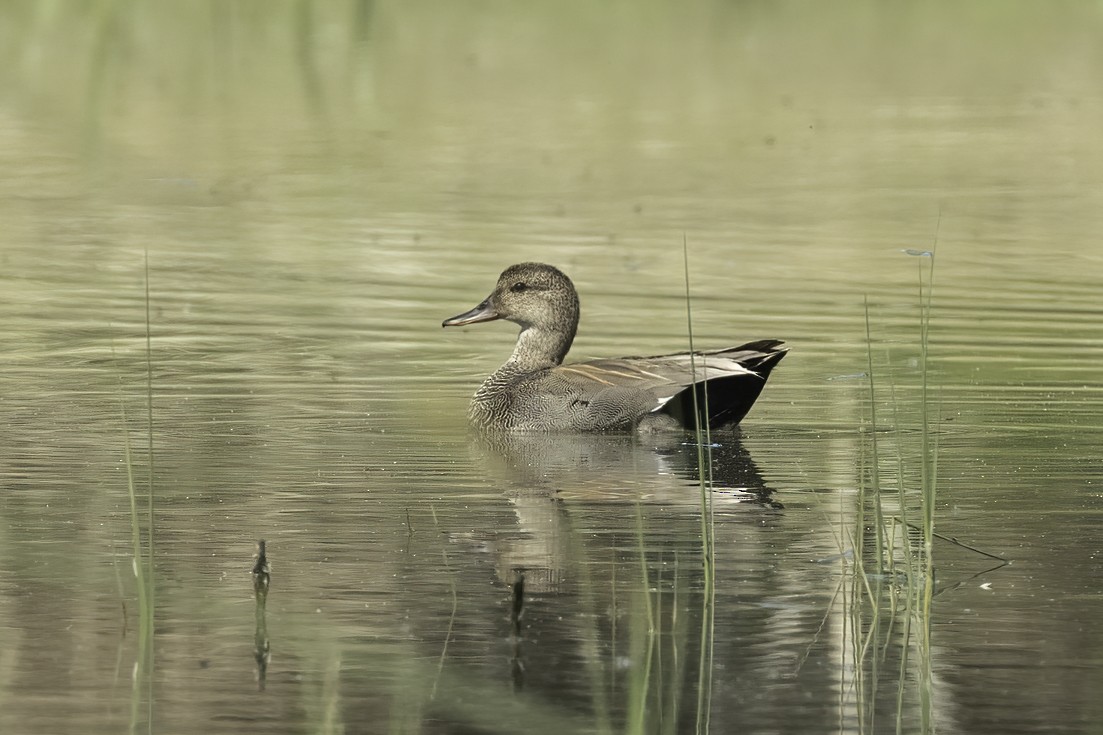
(262, 653)
(262, 572)
(592, 466)
(516, 610)
(545, 476)
(605, 560)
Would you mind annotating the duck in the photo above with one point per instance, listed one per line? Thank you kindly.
(534, 391)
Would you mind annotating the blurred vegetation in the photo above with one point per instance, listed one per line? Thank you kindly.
(186, 78)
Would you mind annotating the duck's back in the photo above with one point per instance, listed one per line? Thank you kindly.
(629, 392)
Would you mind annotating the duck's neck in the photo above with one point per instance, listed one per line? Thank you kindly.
(539, 348)
(536, 350)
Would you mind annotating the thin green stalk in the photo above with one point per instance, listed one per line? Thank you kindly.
(451, 617)
(637, 712)
(925, 438)
(866, 690)
(909, 568)
(845, 629)
(121, 589)
(657, 636)
(902, 676)
(704, 470)
(142, 665)
(929, 465)
(918, 568)
(675, 688)
(839, 590)
(451, 624)
(879, 520)
(876, 626)
(704, 474)
(643, 568)
(149, 530)
(145, 617)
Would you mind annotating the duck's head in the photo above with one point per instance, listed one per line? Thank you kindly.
(543, 301)
(534, 295)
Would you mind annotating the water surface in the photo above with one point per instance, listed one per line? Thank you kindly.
(317, 188)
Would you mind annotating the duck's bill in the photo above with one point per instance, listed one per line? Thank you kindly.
(484, 312)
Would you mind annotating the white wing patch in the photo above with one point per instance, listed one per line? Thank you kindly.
(661, 402)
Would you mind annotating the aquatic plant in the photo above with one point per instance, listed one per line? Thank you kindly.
(889, 590)
(142, 563)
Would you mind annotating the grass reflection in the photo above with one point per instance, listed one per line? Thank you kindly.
(890, 586)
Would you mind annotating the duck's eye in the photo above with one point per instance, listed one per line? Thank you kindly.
(519, 287)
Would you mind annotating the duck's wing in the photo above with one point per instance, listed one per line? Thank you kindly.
(610, 394)
(728, 381)
(727, 386)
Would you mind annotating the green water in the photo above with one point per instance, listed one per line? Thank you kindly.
(318, 185)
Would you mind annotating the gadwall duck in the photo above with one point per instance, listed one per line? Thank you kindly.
(535, 391)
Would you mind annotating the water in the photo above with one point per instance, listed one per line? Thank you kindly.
(317, 188)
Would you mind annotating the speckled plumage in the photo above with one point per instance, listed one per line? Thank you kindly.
(534, 391)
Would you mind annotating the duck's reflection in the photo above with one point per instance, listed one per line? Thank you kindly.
(550, 479)
(607, 548)
(623, 466)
